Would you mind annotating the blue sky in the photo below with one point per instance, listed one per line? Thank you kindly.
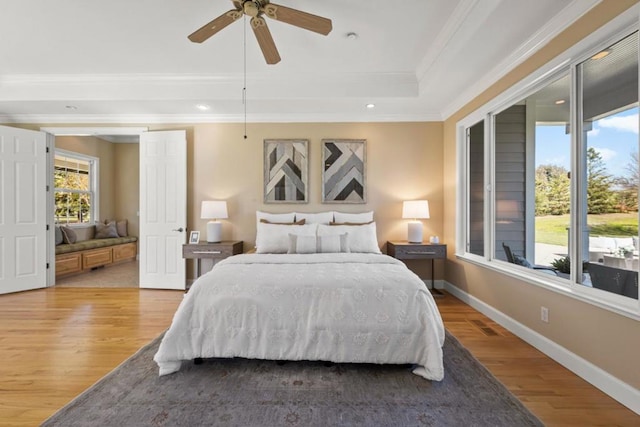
(614, 137)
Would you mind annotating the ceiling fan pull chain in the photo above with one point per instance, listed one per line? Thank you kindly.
(244, 89)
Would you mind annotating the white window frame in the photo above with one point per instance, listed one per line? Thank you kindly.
(567, 62)
(94, 181)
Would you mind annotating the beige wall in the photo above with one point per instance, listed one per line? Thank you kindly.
(403, 162)
(605, 339)
(127, 185)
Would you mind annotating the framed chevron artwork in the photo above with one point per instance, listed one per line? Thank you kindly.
(343, 171)
(286, 170)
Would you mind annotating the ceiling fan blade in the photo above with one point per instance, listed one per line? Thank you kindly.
(216, 25)
(267, 45)
(305, 20)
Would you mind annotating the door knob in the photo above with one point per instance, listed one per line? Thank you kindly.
(179, 229)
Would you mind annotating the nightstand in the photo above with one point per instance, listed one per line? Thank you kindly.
(432, 251)
(217, 251)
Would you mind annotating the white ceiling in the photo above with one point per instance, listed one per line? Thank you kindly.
(124, 61)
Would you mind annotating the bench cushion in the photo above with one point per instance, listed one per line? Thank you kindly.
(66, 248)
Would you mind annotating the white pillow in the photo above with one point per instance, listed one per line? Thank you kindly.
(359, 218)
(335, 243)
(362, 238)
(275, 218)
(318, 218)
(274, 238)
(302, 244)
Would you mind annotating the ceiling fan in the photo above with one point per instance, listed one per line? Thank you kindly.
(256, 9)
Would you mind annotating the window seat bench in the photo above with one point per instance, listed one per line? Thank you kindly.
(72, 258)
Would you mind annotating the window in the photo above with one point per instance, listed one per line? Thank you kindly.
(475, 184)
(608, 147)
(531, 179)
(75, 182)
(557, 197)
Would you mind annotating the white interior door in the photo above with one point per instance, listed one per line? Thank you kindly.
(163, 205)
(23, 209)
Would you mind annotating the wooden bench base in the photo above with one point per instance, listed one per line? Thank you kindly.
(81, 261)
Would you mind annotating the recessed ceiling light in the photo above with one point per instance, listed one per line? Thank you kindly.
(370, 106)
(70, 107)
(202, 107)
(560, 102)
(601, 54)
(352, 36)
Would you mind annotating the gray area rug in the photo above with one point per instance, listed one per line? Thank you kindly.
(240, 392)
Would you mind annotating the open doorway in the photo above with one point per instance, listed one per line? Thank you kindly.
(111, 162)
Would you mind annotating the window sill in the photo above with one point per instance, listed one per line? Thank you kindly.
(623, 306)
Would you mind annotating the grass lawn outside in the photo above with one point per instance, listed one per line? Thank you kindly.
(552, 229)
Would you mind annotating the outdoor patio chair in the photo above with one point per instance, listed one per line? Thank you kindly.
(520, 260)
(616, 280)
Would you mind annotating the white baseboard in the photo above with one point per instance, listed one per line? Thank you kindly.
(598, 377)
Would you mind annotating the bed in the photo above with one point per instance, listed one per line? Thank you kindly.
(338, 306)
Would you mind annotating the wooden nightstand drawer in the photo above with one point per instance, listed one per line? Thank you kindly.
(206, 250)
(212, 250)
(416, 251)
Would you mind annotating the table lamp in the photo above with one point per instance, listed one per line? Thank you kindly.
(214, 210)
(415, 210)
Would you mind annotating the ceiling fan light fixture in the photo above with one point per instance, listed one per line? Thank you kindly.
(250, 8)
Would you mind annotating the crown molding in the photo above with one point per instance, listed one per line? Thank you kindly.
(216, 118)
(78, 87)
(560, 22)
(455, 25)
(111, 131)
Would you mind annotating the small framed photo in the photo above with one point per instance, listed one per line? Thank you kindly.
(194, 237)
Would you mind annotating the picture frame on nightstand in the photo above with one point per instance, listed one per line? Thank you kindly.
(194, 237)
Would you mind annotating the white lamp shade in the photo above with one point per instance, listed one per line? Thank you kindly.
(214, 209)
(415, 209)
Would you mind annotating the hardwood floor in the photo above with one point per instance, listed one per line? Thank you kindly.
(553, 393)
(54, 343)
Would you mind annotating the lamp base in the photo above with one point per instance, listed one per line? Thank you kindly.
(214, 232)
(414, 232)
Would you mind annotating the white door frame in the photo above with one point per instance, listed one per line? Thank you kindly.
(52, 132)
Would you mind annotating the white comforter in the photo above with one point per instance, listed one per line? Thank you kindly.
(334, 307)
